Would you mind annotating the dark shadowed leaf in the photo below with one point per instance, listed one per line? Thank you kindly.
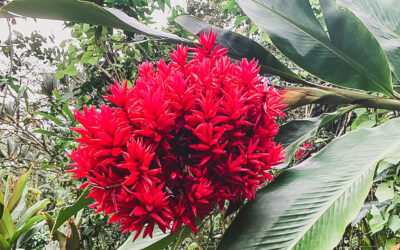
(382, 19)
(240, 47)
(348, 55)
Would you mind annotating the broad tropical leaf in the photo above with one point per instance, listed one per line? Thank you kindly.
(349, 55)
(84, 12)
(382, 19)
(310, 205)
(240, 47)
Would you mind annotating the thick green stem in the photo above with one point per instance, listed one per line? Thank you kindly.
(299, 96)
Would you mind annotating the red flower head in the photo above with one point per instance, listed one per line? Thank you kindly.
(187, 136)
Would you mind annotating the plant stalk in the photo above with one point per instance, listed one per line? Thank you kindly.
(300, 96)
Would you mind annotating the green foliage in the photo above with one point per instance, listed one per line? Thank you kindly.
(297, 212)
(240, 47)
(381, 17)
(94, 14)
(15, 220)
(295, 132)
(298, 35)
(346, 43)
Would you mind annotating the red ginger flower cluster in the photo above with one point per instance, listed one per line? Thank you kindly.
(187, 136)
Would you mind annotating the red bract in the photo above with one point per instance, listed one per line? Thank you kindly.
(187, 136)
(304, 151)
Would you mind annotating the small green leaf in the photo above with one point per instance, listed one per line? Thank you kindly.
(364, 121)
(394, 223)
(385, 191)
(59, 74)
(50, 117)
(378, 221)
(390, 243)
(161, 4)
(192, 246)
(68, 112)
(44, 132)
(71, 70)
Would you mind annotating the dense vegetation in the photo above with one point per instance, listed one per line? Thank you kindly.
(336, 61)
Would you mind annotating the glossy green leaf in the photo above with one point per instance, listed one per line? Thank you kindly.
(310, 205)
(84, 12)
(240, 47)
(18, 191)
(382, 19)
(348, 55)
(66, 212)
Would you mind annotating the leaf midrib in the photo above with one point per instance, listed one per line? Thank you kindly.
(334, 50)
(336, 197)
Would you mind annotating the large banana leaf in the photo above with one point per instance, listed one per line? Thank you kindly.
(382, 17)
(240, 46)
(309, 206)
(348, 55)
(83, 12)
